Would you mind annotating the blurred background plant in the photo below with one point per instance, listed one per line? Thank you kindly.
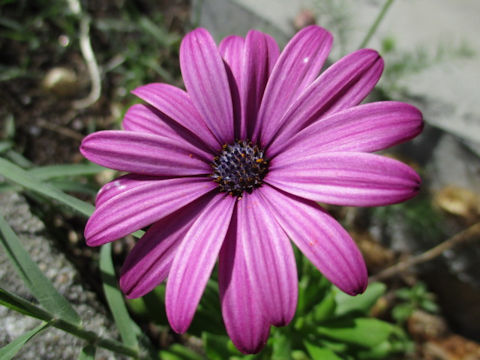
(45, 72)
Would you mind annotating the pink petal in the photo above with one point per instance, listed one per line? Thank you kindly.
(261, 52)
(139, 204)
(232, 51)
(269, 259)
(175, 104)
(320, 238)
(299, 63)
(242, 311)
(194, 261)
(344, 178)
(144, 153)
(344, 84)
(364, 128)
(207, 84)
(148, 264)
(120, 184)
(145, 118)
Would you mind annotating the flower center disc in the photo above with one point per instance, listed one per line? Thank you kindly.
(239, 167)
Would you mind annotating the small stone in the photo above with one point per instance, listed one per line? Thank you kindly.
(424, 326)
(453, 347)
(460, 202)
(61, 81)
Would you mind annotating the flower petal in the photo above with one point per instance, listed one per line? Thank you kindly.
(176, 105)
(143, 153)
(269, 259)
(344, 84)
(232, 51)
(320, 238)
(207, 84)
(194, 261)
(298, 64)
(242, 312)
(344, 178)
(147, 119)
(141, 203)
(148, 264)
(364, 128)
(260, 55)
(121, 184)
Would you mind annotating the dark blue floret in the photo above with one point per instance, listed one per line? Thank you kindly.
(240, 167)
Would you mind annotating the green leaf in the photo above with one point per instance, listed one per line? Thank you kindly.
(317, 352)
(115, 301)
(5, 145)
(216, 346)
(39, 285)
(10, 350)
(74, 186)
(401, 312)
(87, 353)
(282, 347)
(325, 308)
(365, 332)
(179, 352)
(312, 288)
(18, 159)
(360, 303)
(23, 306)
(52, 171)
(429, 306)
(19, 176)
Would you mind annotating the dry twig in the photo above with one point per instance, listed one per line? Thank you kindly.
(463, 236)
(89, 56)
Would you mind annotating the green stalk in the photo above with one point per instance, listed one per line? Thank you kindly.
(27, 308)
(375, 24)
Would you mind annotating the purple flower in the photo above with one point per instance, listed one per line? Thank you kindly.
(233, 169)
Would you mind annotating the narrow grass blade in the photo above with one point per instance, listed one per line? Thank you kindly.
(5, 145)
(87, 353)
(39, 285)
(25, 307)
(10, 350)
(114, 297)
(52, 171)
(19, 304)
(19, 176)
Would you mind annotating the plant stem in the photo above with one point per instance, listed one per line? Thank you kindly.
(27, 308)
(375, 24)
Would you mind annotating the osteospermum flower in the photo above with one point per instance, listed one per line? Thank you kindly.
(233, 168)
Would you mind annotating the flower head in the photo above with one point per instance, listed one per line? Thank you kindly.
(232, 169)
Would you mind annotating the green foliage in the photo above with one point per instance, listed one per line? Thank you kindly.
(328, 324)
(179, 352)
(411, 299)
(125, 325)
(87, 353)
(37, 283)
(9, 351)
